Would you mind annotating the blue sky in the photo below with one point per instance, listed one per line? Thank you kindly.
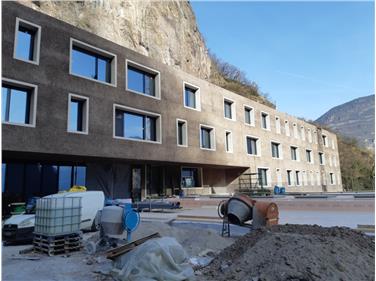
(308, 56)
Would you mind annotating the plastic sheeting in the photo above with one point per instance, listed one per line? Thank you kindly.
(114, 179)
(160, 259)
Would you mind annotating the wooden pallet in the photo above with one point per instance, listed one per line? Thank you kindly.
(61, 244)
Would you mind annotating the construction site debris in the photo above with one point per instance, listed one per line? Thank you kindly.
(295, 252)
(113, 253)
(158, 259)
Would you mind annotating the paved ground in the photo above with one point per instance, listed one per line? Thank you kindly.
(343, 211)
(197, 213)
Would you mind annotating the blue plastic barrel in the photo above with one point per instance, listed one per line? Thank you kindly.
(276, 190)
(282, 190)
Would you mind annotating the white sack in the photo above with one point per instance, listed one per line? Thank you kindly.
(162, 259)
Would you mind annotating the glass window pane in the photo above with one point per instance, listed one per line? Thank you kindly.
(104, 70)
(83, 64)
(205, 138)
(190, 97)
(135, 80)
(150, 133)
(119, 123)
(180, 133)
(75, 118)
(25, 44)
(252, 146)
(228, 113)
(262, 177)
(263, 118)
(3, 171)
(134, 126)
(18, 106)
(4, 95)
(149, 85)
(65, 177)
(247, 113)
(79, 175)
(189, 177)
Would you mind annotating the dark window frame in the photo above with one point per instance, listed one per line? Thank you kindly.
(120, 116)
(206, 143)
(29, 93)
(249, 140)
(97, 56)
(275, 150)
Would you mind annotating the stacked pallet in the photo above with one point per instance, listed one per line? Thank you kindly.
(60, 244)
(57, 225)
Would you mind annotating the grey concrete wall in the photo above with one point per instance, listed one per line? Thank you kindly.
(54, 82)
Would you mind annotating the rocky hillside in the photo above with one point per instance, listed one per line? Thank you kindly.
(164, 30)
(354, 119)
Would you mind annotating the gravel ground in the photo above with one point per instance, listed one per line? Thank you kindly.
(295, 252)
(83, 267)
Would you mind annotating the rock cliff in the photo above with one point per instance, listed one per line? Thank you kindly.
(164, 30)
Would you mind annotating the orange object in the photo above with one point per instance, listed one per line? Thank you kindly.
(268, 211)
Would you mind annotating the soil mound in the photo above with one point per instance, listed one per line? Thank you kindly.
(295, 252)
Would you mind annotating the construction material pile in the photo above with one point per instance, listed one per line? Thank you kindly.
(295, 252)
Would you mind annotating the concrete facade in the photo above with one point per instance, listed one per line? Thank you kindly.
(49, 140)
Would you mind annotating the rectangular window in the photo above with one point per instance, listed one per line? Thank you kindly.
(182, 132)
(18, 102)
(263, 176)
(142, 80)
(229, 109)
(228, 113)
(92, 63)
(277, 125)
(27, 41)
(207, 137)
(265, 121)
(287, 128)
(321, 158)
(309, 155)
(190, 177)
(252, 146)
(324, 140)
(78, 114)
(275, 150)
(134, 124)
(289, 182)
(331, 175)
(297, 177)
(294, 153)
(249, 116)
(191, 96)
(228, 141)
(70, 176)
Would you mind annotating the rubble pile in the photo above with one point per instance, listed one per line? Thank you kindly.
(295, 252)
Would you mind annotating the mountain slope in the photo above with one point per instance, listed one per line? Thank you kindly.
(354, 119)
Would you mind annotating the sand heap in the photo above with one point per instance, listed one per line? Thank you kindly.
(295, 252)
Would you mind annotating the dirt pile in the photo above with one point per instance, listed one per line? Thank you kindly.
(295, 252)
